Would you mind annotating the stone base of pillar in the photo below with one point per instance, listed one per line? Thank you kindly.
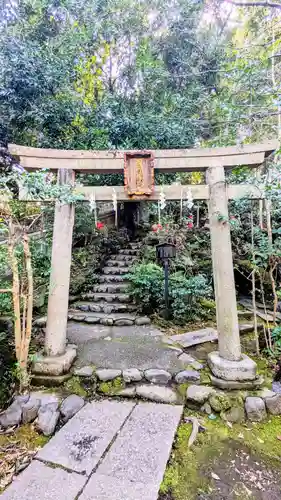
(55, 365)
(243, 370)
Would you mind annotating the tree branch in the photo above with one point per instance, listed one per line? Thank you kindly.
(254, 4)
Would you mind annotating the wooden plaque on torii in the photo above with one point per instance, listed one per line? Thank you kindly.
(139, 173)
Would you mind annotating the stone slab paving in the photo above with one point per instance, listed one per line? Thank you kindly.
(79, 333)
(112, 451)
(102, 487)
(80, 444)
(142, 352)
(40, 482)
(142, 449)
(189, 339)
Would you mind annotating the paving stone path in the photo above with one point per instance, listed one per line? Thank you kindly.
(108, 451)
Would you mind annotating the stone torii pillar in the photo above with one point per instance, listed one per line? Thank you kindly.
(228, 363)
(58, 356)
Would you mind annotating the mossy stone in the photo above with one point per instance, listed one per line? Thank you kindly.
(74, 386)
(236, 415)
(112, 386)
(220, 402)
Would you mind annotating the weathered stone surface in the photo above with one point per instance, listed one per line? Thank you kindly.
(48, 416)
(142, 448)
(83, 307)
(273, 404)
(197, 337)
(106, 321)
(112, 488)
(255, 409)
(85, 371)
(39, 481)
(235, 415)
(11, 416)
(132, 375)
(70, 406)
(220, 402)
(248, 328)
(128, 392)
(124, 322)
(106, 374)
(21, 399)
(30, 410)
(157, 393)
(50, 380)
(187, 376)
(78, 317)
(46, 397)
(236, 385)
(206, 408)
(40, 321)
(95, 308)
(243, 370)
(266, 393)
(81, 442)
(143, 321)
(92, 320)
(54, 365)
(199, 393)
(156, 376)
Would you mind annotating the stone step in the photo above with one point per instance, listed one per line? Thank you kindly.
(114, 307)
(115, 270)
(122, 257)
(122, 298)
(129, 251)
(119, 263)
(113, 319)
(110, 288)
(112, 278)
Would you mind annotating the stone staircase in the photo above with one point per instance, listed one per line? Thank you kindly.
(109, 303)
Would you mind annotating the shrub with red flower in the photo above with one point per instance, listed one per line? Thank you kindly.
(100, 225)
(189, 225)
(156, 227)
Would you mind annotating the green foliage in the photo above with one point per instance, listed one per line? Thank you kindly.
(7, 362)
(147, 289)
(147, 286)
(87, 260)
(185, 294)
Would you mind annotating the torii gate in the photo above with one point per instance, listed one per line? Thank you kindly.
(229, 363)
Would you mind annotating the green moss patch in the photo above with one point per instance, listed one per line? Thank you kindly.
(190, 470)
(112, 386)
(16, 449)
(74, 386)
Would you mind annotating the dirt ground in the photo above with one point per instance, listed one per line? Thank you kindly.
(244, 475)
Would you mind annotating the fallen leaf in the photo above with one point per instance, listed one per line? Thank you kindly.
(214, 476)
(260, 440)
(279, 437)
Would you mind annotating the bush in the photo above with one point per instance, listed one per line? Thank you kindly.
(7, 361)
(147, 286)
(147, 289)
(185, 295)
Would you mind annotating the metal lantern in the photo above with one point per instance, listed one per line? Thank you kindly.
(165, 252)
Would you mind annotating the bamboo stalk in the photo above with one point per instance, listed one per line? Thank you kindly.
(254, 286)
(273, 286)
(15, 290)
(29, 312)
